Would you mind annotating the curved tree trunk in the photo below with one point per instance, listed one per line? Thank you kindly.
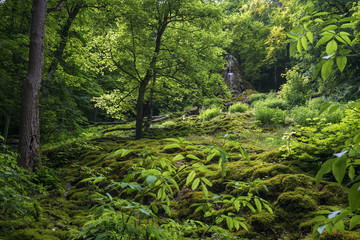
(29, 146)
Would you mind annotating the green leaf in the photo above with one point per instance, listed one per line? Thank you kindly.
(206, 181)
(318, 20)
(117, 152)
(304, 18)
(204, 190)
(99, 212)
(309, 9)
(154, 208)
(330, 28)
(191, 156)
(344, 51)
(268, 208)
(341, 62)
(321, 14)
(292, 48)
(190, 177)
(292, 35)
(310, 36)
(355, 220)
(173, 140)
(151, 179)
(325, 168)
(243, 226)
(298, 46)
(354, 197)
(326, 69)
(317, 68)
(333, 108)
(344, 36)
(167, 209)
(229, 223)
(178, 157)
(351, 172)
(172, 146)
(297, 30)
(331, 47)
(195, 183)
(258, 204)
(304, 43)
(210, 157)
(323, 212)
(357, 139)
(340, 226)
(237, 205)
(339, 168)
(323, 40)
(126, 152)
(348, 25)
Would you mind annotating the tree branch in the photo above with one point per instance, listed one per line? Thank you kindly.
(57, 8)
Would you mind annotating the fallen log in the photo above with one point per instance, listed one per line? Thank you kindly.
(119, 129)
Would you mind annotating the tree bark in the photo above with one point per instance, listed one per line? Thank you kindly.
(29, 146)
(140, 109)
(6, 129)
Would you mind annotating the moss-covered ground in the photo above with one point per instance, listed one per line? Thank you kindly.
(291, 192)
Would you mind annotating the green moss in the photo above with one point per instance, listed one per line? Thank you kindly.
(332, 194)
(37, 234)
(270, 170)
(291, 182)
(262, 221)
(296, 202)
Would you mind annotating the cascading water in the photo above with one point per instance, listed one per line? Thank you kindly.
(230, 74)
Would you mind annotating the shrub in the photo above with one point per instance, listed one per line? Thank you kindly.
(302, 115)
(16, 187)
(296, 89)
(238, 107)
(269, 116)
(210, 113)
(208, 102)
(272, 102)
(256, 97)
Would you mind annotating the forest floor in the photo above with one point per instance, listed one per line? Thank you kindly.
(269, 175)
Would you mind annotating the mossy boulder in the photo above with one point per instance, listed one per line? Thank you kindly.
(296, 202)
(262, 222)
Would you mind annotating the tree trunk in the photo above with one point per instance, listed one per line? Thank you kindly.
(29, 145)
(6, 129)
(140, 109)
(149, 74)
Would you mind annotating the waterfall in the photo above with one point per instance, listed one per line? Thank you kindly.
(230, 74)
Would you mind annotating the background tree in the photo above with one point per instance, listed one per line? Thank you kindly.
(154, 40)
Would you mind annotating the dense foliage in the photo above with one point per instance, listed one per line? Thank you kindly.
(249, 112)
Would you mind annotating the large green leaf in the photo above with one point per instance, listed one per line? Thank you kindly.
(323, 40)
(341, 62)
(331, 47)
(326, 69)
(195, 183)
(339, 168)
(304, 43)
(310, 36)
(354, 197)
(355, 220)
(325, 168)
(190, 177)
